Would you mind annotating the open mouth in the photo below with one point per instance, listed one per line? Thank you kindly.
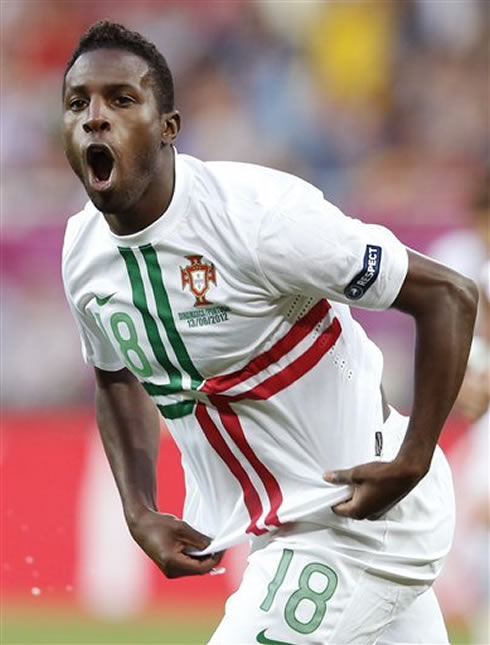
(101, 162)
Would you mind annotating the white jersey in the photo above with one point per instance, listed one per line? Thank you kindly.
(232, 311)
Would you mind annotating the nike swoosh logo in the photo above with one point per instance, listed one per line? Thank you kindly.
(264, 640)
(103, 301)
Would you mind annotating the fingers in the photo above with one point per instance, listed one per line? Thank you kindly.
(351, 509)
(339, 476)
(217, 556)
(183, 564)
(355, 475)
(376, 487)
(348, 509)
(355, 510)
(192, 537)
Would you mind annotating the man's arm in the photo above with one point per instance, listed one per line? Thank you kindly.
(443, 304)
(129, 426)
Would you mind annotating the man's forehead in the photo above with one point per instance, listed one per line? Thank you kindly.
(107, 66)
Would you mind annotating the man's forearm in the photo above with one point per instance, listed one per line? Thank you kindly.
(130, 429)
(443, 304)
(444, 310)
(129, 426)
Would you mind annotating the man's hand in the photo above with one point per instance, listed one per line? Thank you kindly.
(377, 486)
(167, 540)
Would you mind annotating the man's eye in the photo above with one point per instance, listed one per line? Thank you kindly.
(123, 101)
(77, 104)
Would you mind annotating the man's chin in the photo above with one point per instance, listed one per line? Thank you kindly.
(106, 202)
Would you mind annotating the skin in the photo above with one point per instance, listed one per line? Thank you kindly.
(108, 99)
(441, 302)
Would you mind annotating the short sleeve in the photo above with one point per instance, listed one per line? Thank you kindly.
(307, 245)
(97, 349)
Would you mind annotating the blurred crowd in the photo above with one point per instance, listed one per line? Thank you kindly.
(384, 105)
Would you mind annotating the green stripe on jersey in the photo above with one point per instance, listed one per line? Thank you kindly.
(165, 314)
(140, 302)
(177, 410)
(157, 390)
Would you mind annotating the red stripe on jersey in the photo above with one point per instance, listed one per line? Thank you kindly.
(295, 335)
(296, 369)
(234, 428)
(216, 387)
(250, 495)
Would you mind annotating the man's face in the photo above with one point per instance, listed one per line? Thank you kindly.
(111, 127)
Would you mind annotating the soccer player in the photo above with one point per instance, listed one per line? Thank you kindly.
(217, 294)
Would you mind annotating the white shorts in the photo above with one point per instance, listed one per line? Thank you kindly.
(352, 582)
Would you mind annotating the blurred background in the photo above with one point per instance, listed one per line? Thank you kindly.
(385, 106)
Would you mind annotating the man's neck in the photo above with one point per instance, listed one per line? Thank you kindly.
(152, 204)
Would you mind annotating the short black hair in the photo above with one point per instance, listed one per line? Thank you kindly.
(111, 35)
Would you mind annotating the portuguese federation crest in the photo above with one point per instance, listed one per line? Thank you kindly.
(198, 275)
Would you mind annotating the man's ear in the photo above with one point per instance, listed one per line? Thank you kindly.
(170, 126)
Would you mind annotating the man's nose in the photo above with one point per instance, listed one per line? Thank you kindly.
(96, 120)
